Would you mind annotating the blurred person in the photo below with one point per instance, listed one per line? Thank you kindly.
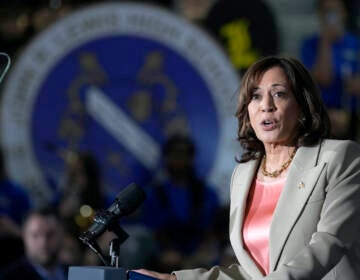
(294, 197)
(333, 56)
(10, 237)
(180, 207)
(15, 203)
(15, 27)
(42, 234)
(194, 10)
(244, 38)
(20, 21)
(81, 195)
(45, 13)
(71, 252)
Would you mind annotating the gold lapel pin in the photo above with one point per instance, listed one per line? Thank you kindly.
(301, 185)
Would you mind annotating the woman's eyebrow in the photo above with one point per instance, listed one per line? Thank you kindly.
(279, 84)
(257, 88)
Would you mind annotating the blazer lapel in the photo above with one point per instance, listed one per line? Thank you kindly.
(239, 192)
(302, 177)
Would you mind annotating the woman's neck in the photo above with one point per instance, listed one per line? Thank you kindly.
(275, 162)
(276, 154)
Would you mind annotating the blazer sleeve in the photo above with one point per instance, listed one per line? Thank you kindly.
(339, 223)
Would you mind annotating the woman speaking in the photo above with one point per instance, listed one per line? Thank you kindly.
(295, 193)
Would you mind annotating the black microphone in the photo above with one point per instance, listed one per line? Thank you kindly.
(125, 203)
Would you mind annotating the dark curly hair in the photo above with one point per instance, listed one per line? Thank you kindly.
(314, 124)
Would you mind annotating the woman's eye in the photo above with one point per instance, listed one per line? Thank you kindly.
(279, 94)
(255, 96)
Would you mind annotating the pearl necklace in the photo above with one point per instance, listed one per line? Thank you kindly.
(277, 172)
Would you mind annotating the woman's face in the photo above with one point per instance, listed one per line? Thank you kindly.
(273, 109)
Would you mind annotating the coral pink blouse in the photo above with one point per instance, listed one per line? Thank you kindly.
(261, 203)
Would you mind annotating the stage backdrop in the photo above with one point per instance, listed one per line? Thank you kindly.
(116, 79)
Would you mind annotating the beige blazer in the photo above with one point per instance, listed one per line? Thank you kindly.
(315, 230)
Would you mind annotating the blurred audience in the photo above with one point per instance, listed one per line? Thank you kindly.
(15, 200)
(20, 20)
(15, 30)
(81, 194)
(15, 203)
(71, 252)
(180, 207)
(333, 56)
(195, 11)
(42, 234)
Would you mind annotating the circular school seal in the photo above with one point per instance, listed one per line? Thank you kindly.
(117, 79)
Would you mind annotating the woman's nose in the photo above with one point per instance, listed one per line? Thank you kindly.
(267, 104)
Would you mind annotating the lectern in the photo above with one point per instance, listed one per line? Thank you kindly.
(96, 273)
(104, 273)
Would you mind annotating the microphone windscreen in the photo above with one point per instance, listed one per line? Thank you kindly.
(130, 198)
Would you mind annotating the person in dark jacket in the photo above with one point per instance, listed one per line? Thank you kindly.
(43, 236)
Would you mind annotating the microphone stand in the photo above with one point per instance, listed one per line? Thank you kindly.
(88, 238)
(93, 245)
(125, 202)
(111, 269)
(115, 244)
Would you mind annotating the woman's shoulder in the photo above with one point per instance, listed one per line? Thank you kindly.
(245, 164)
(242, 168)
(334, 144)
(339, 149)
